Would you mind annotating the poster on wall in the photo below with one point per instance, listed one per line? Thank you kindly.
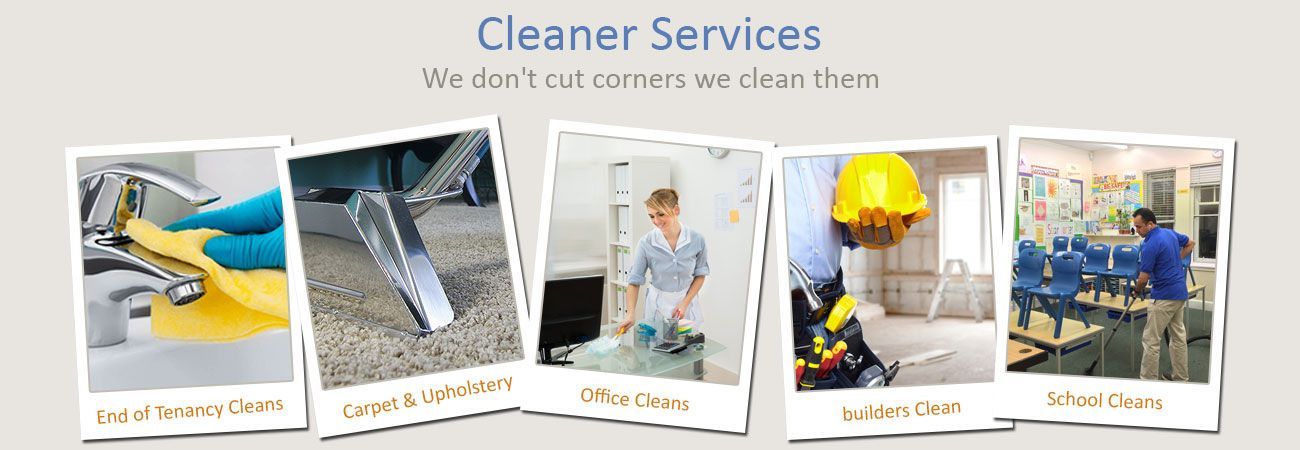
(1024, 196)
(1052, 187)
(1038, 233)
(1114, 198)
(1072, 171)
(1076, 209)
(1025, 212)
(1133, 197)
(1040, 186)
(1053, 212)
(1064, 210)
(745, 183)
(722, 212)
(1040, 210)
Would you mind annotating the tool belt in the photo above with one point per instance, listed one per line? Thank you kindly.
(809, 324)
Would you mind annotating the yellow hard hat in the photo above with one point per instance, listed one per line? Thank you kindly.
(880, 179)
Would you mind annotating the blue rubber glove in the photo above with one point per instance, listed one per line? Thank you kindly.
(256, 228)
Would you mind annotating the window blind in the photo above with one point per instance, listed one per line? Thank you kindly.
(1160, 195)
(1207, 174)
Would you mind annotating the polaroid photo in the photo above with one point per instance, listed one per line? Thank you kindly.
(1117, 316)
(650, 250)
(403, 253)
(176, 332)
(887, 315)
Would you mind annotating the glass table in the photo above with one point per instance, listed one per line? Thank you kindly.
(632, 358)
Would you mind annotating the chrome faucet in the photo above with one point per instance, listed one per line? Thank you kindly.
(110, 196)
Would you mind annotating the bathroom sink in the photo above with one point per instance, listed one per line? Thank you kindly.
(143, 362)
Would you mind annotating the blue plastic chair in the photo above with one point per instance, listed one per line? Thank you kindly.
(1096, 259)
(1066, 278)
(1060, 244)
(1020, 247)
(1031, 262)
(1079, 244)
(1125, 267)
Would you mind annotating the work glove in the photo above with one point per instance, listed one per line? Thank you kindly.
(256, 228)
(875, 229)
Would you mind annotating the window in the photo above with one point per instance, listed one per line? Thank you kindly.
(1206, 189)
(1160, 196)
(964, 232)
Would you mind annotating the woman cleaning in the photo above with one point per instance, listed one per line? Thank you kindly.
(677, 259)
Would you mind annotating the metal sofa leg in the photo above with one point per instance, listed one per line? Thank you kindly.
(359, 242)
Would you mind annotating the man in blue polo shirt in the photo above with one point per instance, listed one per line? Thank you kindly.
(1162, 256)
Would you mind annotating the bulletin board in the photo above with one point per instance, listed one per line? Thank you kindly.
(1114, 198)
(1048, 205)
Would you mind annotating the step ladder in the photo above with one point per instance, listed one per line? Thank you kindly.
(938, 299)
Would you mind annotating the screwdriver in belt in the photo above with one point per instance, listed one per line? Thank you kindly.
(825, 366)
(813, 360)
(835, 354)
(799, 365)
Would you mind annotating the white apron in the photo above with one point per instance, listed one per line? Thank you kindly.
(660, 304)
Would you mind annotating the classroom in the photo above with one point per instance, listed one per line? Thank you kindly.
(1083, 211)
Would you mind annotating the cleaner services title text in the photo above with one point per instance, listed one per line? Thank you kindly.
(506, 33)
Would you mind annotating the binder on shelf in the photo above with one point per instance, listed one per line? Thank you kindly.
(621, 270)
(621, 301)
(627, 263)
(621, 188)
(624, 224)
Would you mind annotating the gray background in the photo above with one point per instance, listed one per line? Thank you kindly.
(123, 72)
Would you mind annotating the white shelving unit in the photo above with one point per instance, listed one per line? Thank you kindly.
(629, 183)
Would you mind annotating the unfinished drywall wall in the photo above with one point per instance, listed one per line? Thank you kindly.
(902, 279)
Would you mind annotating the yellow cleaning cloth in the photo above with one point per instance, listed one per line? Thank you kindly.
(238, 303)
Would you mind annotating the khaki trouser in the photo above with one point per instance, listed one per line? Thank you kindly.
(1162, 315)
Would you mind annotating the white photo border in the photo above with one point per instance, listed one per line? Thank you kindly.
(713, 406)
(1190, 406)
(818, 415)
(294, 413)
(327, 405)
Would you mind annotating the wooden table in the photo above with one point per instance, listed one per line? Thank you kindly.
(1021, 356)
(1073, 333)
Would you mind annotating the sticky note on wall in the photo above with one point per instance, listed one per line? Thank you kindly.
(734, 216)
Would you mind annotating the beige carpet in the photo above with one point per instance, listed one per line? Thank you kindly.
(468, 249)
